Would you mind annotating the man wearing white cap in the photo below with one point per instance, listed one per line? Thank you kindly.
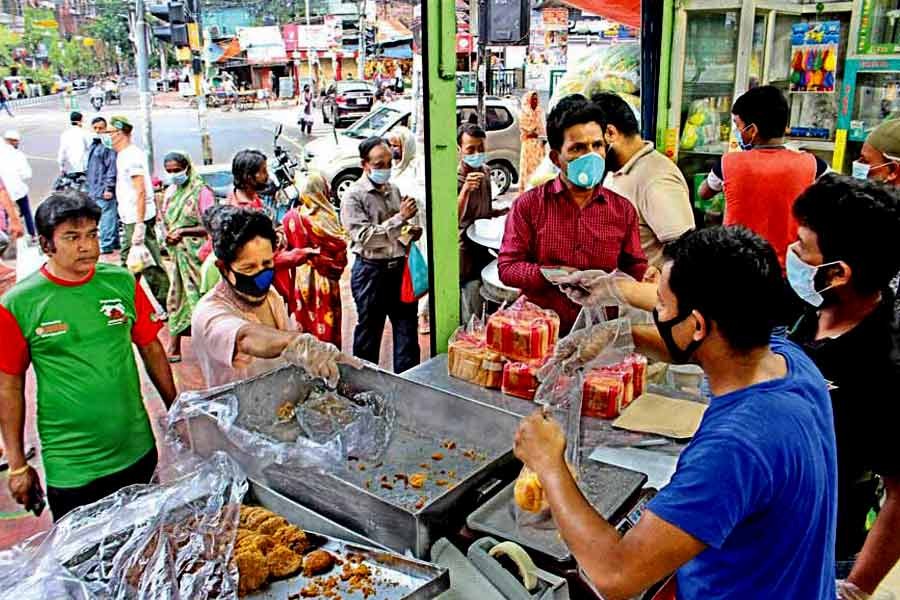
(16, 172)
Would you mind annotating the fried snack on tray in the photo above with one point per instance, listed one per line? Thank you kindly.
(283, 562)
(318, 562)
(253, 571)
(271, 525)
(417, 480)
(294, 538)
(257, 541)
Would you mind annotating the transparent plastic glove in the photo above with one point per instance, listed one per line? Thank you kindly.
(139, 258)
(318, 358)
(848, 591)
(594, 288)
(139, 235)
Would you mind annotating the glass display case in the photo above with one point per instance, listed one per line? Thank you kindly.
(813, 119)
(870, 95)
(879, 27)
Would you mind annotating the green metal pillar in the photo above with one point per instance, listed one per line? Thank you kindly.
(439, 79)
(665, 62)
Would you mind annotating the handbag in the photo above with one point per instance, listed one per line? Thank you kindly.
(415, 276)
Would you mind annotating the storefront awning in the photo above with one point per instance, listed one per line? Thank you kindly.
(404, 51)
(627, 12)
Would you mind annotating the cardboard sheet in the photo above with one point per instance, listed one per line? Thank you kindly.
(652, 413)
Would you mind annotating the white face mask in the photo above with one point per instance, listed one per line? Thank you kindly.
(802, 277)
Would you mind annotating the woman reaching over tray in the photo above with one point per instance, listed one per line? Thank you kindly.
(241, 327)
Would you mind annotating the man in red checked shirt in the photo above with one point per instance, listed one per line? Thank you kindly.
(75, 321)
(571, 222)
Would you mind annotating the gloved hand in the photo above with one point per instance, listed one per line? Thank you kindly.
(139, 258)
(139, 235)
(594, 288)
(848, 591)
(318, 358)
(579, 348)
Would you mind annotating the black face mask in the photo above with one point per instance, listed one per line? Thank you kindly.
(256, 285)
(679, 356)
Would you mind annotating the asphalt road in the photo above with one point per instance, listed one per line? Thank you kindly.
(173, 128)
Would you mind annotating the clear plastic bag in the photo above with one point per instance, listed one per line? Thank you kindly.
(361, 425)
(172, 540)
(258, 441)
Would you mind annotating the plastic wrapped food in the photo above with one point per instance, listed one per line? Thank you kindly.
(362, 425)
(172, 540)
(523, 331)
(638, 364)
(520, 378)
(603, 393)
(471, 360)
(614, 68)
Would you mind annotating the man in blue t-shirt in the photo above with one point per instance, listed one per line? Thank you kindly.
(751, 509)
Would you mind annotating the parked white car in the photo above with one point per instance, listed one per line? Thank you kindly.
(336, 155)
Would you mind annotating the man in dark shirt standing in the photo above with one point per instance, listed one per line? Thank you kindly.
(573, 221)
(101, 180)
(841, 267)
(473, 184)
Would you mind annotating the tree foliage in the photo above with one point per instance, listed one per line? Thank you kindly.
(111, 26)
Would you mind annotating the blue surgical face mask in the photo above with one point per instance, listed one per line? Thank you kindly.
(861, 170)
(745, 145)
(802, 277)
(476, 161)
(586, 171)
(106, 140)
(179, 178)
(380, 176)
(256, 285)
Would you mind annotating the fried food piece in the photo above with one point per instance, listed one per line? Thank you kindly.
(285, 411)
(437, 456)
(528, 492)
(271, 525)
(247, 512)
(254, 520)
(317, 562)
(283, 562)
(257, 541)
(417, 480)
(243, 534)
(293, 537)
(253, 572)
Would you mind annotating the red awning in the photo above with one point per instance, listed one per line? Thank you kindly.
(627, 12)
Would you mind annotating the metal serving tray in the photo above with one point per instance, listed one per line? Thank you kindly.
(606, 487)
(397, 577)
(355, 498)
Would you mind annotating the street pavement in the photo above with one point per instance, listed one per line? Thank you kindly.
(173, 128)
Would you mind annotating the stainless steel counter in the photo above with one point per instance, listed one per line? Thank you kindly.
(594, 432)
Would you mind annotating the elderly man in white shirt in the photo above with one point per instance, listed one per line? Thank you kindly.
(74, 144)
(15, 173)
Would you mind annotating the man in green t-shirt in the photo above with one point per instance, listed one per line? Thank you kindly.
(75, 321)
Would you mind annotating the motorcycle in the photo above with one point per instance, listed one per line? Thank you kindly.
(287, 174)
(71, 181)
(97, 96)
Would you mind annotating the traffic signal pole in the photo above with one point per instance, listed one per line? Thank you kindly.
(199, 76)
(143, 73)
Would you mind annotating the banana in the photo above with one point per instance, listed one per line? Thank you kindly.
(527, 568)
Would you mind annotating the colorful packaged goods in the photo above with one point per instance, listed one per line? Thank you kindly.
(523, 331)
(603, 393)
(638, 364)
(520, 378)
(471, 360)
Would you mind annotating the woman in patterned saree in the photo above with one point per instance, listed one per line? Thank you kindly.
(186, 198)
(315, 224)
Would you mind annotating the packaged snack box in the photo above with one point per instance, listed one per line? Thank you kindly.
(523, 331)
(470, 359)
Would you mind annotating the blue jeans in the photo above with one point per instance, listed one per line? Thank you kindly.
(109, 224)
(376, 290)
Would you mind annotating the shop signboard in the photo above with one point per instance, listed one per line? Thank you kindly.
(263, 45)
